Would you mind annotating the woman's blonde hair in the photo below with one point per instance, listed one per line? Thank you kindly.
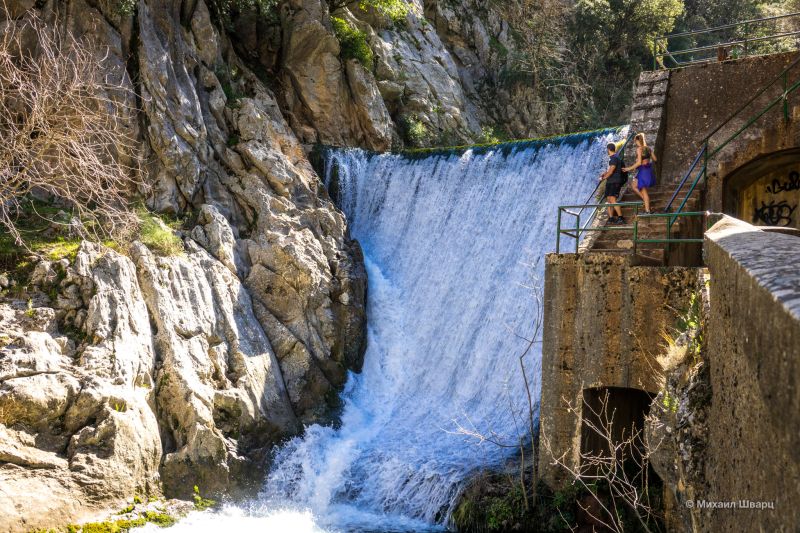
(640, 137)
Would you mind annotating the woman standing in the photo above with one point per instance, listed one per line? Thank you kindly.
(646, 175)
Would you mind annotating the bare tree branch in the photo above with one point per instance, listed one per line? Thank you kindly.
(63, 124)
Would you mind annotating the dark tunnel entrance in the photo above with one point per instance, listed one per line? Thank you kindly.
(613, 417)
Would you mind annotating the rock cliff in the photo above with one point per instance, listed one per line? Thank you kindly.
(124, 374)
(128, 372)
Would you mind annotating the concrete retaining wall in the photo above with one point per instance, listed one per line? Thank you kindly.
(603, 324)
(702, 97)
(753, 336)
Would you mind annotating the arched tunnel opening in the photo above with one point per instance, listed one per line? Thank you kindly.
(766, 190)
(612, 433)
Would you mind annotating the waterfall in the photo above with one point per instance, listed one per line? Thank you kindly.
(454, 245)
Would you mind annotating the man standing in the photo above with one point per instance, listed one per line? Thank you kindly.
(614, 182)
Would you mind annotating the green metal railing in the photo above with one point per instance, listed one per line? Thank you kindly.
(750, 34)
(668, 239)
(577, 230)
(595, 208)
(707, 154)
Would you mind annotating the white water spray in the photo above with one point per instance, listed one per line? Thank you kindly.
(453, 244)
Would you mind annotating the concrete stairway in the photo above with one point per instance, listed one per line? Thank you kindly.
(621, 241)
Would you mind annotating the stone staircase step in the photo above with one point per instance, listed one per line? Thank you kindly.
(621, 240)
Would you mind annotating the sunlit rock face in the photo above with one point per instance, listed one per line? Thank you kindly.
(133, 373)
(139, 374)
(77, 418)
(436, 77)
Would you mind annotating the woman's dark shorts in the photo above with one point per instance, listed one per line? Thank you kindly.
(613, 188)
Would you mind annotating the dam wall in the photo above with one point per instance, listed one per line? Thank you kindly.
(727, 412)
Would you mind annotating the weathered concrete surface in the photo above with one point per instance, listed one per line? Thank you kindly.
(753, 340)
(603, 323)
(704, 96)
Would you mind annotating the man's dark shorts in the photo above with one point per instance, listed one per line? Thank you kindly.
(612, 188)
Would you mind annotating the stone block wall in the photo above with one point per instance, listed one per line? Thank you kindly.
(603, 323)
(649, 108)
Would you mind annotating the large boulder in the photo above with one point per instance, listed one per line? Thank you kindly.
(78, 432)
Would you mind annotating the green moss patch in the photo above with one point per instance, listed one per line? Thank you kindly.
(44, 229)
(115, 526)
(200, 503)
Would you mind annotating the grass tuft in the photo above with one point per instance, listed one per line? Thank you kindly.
(200, 503)
(158, 235)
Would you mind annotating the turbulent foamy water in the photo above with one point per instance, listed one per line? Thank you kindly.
(453, 244)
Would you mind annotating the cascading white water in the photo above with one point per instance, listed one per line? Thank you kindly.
(453, 243)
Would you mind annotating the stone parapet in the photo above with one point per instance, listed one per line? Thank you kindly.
(753, 336)
(649, 106)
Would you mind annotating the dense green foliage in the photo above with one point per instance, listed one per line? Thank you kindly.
(126, 7)
(415, 131)
(353, 42)
(225, 10)
(582, 58)
(616, 37)
(396, 10)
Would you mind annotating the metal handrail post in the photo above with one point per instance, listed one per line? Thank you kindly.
(746, 34)
(577, 232)
(683, 181)
(558, 233)
(655, 52)
(669, 231)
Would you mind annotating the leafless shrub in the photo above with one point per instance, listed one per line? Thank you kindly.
(63, 128)
(618, 476)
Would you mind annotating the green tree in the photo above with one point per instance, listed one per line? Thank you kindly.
(704, 14)
(615, 39)
(396, 10)
(353, 42)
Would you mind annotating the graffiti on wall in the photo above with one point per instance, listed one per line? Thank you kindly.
(773, 199)
(791, 184)
(775, 213)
